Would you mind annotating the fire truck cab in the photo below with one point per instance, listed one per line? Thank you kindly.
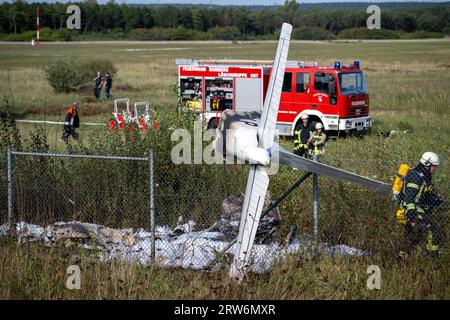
(336, 96)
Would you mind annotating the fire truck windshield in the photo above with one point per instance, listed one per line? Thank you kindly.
(352, 83)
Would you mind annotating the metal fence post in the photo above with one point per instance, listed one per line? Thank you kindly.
(152, 206)
(10, 188)
(316, 200)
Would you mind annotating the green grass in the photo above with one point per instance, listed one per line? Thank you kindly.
(34, 272)
(409, 86)
(146, 69)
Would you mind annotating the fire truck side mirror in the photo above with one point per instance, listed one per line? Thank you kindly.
(332, 89)
(331, 86)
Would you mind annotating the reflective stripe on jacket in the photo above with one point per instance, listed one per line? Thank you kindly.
(302, 136)
(318, 142)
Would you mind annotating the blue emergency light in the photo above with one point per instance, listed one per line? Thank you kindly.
(356, 64)
(337, 64)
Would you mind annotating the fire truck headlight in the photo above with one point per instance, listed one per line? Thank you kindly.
(368, 122)
(348, 124)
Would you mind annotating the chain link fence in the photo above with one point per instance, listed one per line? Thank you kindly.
(3, 191)
(105, 204)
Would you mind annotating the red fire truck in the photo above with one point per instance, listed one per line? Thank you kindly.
(335, 96)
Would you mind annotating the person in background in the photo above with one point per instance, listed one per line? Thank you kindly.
(302, 135)
(317, 141)
(98, 85)
(71, 122)
(107, 80)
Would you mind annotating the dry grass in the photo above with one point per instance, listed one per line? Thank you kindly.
(317, 278)
(409, 85)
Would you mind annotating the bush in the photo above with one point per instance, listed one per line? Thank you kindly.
(181, 33)
(312, 33)
(150, 34)
(66, 34)
(24, 36)
(422, 35)
(68, 73)
(364, 33)
(46, 34)
(446, 30)
(63, 74)
(224, 33)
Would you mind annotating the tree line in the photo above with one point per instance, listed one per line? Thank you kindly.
(213, 22)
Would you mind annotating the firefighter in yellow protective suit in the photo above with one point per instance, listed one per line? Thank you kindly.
(317, 141)
(418, 199)
(302, 135)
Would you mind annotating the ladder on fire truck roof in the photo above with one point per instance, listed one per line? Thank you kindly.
(237, 62)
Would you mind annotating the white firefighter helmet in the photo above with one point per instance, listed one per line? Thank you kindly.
(430, 158)
(319, 126)
(304, 116)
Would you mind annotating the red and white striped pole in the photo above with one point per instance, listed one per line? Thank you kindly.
(37, 26)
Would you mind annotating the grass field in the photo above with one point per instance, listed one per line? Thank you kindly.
(409, 87)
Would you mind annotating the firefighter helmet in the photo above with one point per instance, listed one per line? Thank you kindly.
(430, 158)
(304, 116)
(319, 126)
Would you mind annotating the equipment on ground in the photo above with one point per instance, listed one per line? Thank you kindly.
(140, 116)
(120, 118)
(144, 117)
(391, 133)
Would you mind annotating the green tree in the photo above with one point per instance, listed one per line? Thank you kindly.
(18, 16)
(429, 22)
(197, 21)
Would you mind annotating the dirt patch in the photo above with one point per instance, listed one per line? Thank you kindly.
(88, 91)
(444, 65)
(125, 87)
(85, 91)
(88, 107)
(49, 110)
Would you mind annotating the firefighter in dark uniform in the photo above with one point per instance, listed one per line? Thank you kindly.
(98, 85)
(302, 135)
(71, 122)
(108, 84)
(418, 199)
